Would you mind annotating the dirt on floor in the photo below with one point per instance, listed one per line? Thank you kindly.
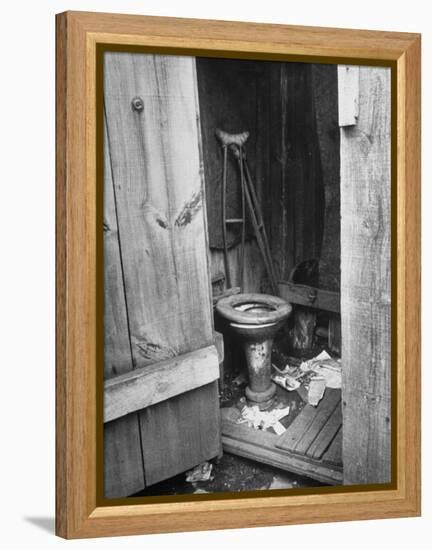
(231, 474)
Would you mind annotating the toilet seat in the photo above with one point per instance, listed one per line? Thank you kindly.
(253, 309)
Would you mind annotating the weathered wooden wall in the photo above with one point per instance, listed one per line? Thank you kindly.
(157, 295)
(294, 205)
(255, 276)
(366, 281)
(325, 93)
(282, 105)
(233, 96)
(123, 462)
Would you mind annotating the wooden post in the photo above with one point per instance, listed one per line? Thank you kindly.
(365, 282)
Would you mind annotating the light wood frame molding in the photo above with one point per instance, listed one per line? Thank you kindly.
(78, 511)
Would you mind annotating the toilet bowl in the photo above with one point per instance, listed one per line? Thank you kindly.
(256, 318)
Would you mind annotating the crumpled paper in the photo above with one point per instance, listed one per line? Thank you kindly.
(202, 472)
(326, 367)
(262, 420)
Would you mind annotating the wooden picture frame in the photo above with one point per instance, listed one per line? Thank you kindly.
(79, 512)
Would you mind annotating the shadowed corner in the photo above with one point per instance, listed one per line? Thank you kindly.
(45, 523)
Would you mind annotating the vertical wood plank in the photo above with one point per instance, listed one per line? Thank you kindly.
(123, 465)
(325, 94)
(180, 433)
(296, 216)
(123, 460)
(254, 272)
(365, 284)
(158, 190)
(117, 350)
(279, 213)
(158, 183)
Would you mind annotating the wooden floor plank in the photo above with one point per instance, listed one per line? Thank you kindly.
(308, 423)
(330, 401)
(297, 428)
(334, 453)
(327, 434)
(260, 445)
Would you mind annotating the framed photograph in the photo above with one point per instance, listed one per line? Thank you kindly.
(238, 274)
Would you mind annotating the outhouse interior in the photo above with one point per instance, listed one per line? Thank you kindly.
(290, 112)
(286, 213)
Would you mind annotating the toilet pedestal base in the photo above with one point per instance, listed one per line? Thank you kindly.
(263, 399)
(260, 390)
(256, 318)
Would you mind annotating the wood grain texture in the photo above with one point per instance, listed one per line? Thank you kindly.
(123, 461)
(310, 296)
(77, 511)
(292, 436)
(325, 409)
(262, 446)
(306, 427)
(254, 266)
(325, 94)
(228, 96)
(296, 213)
(151, 384)
(158, 185)
(233, 95)
(334, 453)
(75, 288)
(184, 431)
(123, 464)
(326, 435)
(409, 271)
(280, 223)
(158, 189)
(117, 349)
(366, 283)
(63, 511)
(245, 37)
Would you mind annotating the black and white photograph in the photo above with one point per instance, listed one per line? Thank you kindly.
(247, 253)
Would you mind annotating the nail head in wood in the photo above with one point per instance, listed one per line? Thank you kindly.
(137, 104)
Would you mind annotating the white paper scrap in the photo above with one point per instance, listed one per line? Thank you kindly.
(278, 428)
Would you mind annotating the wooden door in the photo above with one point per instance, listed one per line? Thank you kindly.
(161, 399)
